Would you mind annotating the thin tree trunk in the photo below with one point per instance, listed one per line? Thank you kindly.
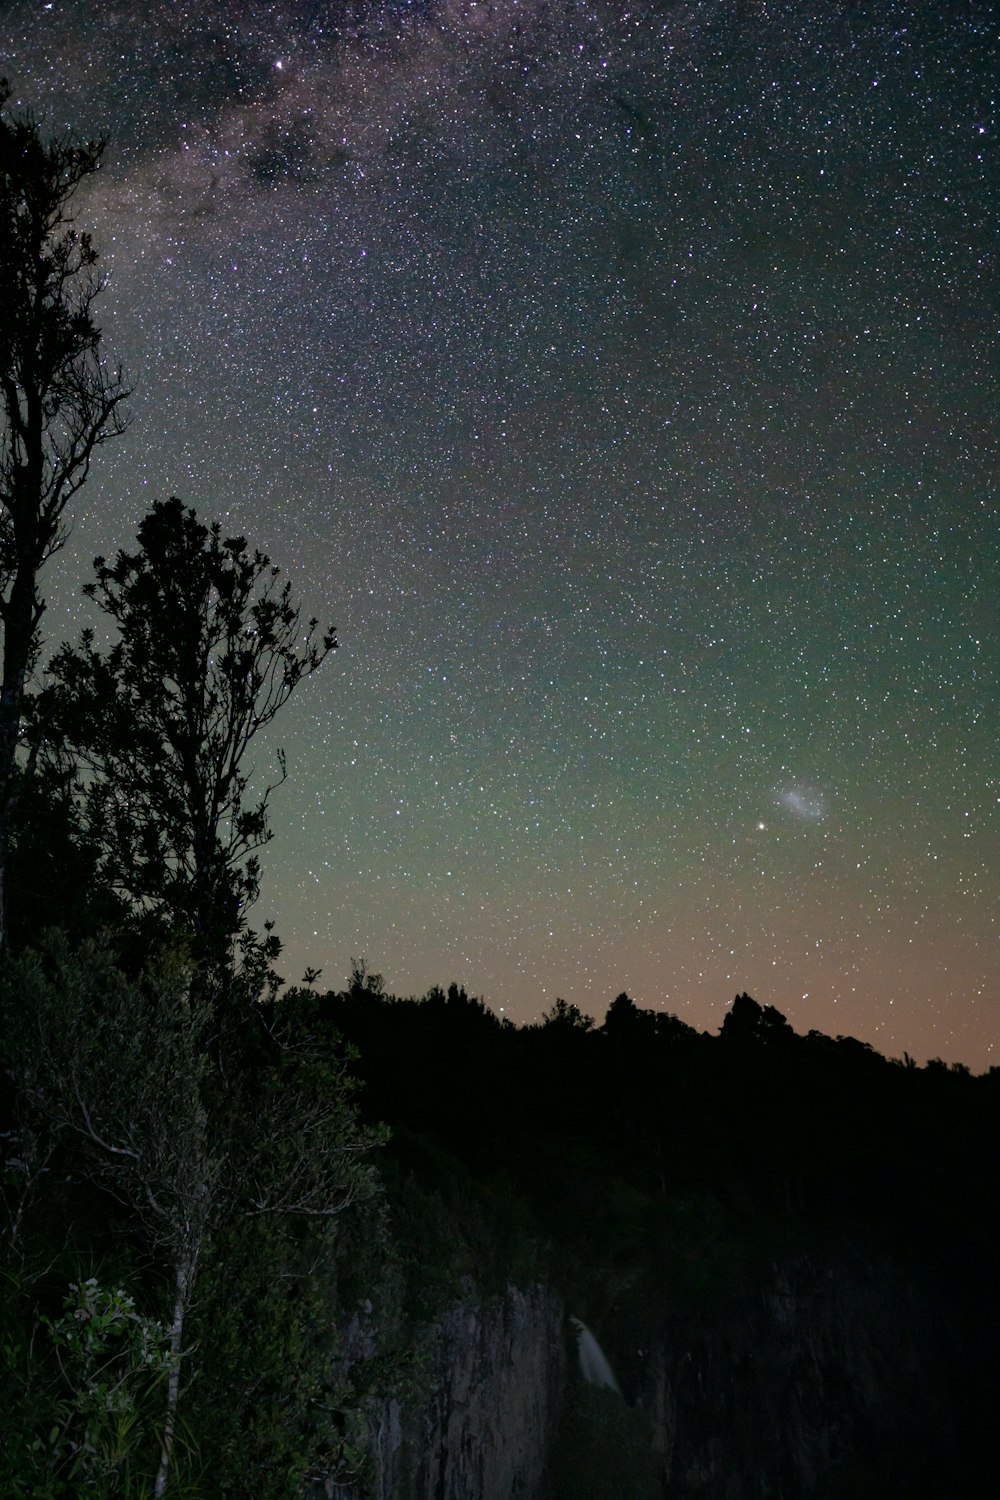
(183, 1283)
(21, 613)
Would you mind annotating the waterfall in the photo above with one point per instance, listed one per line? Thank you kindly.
(594, 1366)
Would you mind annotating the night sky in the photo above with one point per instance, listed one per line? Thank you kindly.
(622, 380)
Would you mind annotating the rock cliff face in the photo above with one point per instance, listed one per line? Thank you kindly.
(833, 1379)
(836, 1378)
(495, 1377)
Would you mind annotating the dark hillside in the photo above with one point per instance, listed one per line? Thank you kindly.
(751, 1219)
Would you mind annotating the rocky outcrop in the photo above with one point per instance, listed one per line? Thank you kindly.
(485, 1406)
(497, 1387)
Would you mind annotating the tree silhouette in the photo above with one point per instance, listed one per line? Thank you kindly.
(58, 401)
(748, 1021)
(571, 1017)
(210, 647)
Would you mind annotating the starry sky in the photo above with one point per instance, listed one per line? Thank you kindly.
(621, 377)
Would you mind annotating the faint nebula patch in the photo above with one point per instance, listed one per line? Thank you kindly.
(803, 802)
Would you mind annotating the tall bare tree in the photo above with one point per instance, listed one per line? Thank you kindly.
(59, 401)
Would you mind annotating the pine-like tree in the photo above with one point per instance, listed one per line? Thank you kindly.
(209, 648)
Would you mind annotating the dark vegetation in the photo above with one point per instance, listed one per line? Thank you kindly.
(200, 1199)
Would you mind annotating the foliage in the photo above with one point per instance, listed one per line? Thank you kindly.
(268, 1398)
(53, 863)
(193, 1144)
(81, 1395)
(118, 1068)
(109, 1355)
